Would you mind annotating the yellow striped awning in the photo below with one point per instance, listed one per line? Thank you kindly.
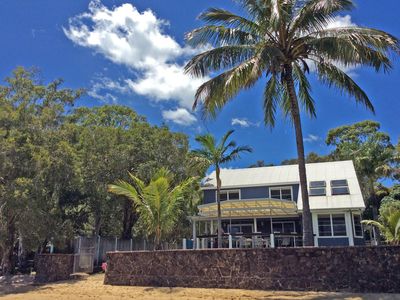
(248, 208)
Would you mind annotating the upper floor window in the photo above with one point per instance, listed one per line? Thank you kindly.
(282, 193)
(228, 195)
(340, 187)
(317, 188)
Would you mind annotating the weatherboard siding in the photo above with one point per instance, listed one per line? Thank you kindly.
(257, 192)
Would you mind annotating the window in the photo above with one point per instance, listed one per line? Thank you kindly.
(357, 226)
(340, 187)
(324, 225)
(317, 188)
(332, 225)
(228, 195)
(283, 227)
(282, 193)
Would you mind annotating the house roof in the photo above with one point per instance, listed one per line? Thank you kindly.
(289, 174)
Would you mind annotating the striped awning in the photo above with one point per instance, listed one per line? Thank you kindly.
(248, 208)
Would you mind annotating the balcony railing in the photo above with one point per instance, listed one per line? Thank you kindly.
(249, 240)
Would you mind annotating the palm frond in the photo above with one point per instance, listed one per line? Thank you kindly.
(219, 35)
(304, 91)
(235, 154)
(333, 76)
(224, 17)
(218, 58)
(216, 92)
(315, 15)
(272, 97)
(123, 188)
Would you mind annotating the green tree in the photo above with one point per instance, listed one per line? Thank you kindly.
(279, 40)
(32, 177)
(159, 202)
(311, 157)
(216, 154)
(372, 154)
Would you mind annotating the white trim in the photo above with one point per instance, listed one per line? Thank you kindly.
(354, 225)
(227, 194)
(280, 188)
(272, 184)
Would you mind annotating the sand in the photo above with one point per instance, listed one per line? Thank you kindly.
(93, 288)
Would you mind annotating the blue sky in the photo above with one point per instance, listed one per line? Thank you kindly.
(90, 51)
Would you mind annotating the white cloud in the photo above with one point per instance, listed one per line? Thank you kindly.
(179, 116)
(243, 122)
(311, 138)
(341, 21)
(136, 39)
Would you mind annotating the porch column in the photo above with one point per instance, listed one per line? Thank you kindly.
(212, 232)
(315, 228)
(349, 227)
(255, 225)
(194, 234)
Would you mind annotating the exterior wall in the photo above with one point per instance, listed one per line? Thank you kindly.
(53, 267)
(324, 242)
(359, 242)
(257, 192)
(326, 269)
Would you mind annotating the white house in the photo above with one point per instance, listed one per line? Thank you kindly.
(262, 207)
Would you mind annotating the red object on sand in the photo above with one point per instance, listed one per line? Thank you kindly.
(104, 266)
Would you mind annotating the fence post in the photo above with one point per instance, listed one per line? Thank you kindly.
(116, 244)
(197, 243)
(144, 244)
(131, 245)
(230, 241)
(272, 239)
(184, 244)
(98, 250)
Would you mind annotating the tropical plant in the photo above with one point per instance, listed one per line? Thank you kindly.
(281, 40)
(389, 226)
(158, 203)
(216, 154)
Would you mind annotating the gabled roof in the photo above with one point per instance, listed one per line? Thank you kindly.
(289, 174)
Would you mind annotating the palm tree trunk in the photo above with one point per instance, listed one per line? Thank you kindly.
(308, 238)
(219, 226)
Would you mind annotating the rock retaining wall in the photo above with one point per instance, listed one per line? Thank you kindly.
(53, 267)
(356, 269)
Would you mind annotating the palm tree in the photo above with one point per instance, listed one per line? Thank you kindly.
(390, 227)
(158, 203)
(281, 40)
(217, 154)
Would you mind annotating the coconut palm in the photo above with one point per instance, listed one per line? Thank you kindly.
(216, 154)
(159, 203)
(390, 228)
(281, 40)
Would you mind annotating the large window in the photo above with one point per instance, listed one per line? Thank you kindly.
(358, 232)
(332, 225)
(282, 193)
(228, 195)
(340, 187)
(317, 188)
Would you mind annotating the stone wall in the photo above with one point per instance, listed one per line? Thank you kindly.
(357, 269)
(53, 267)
